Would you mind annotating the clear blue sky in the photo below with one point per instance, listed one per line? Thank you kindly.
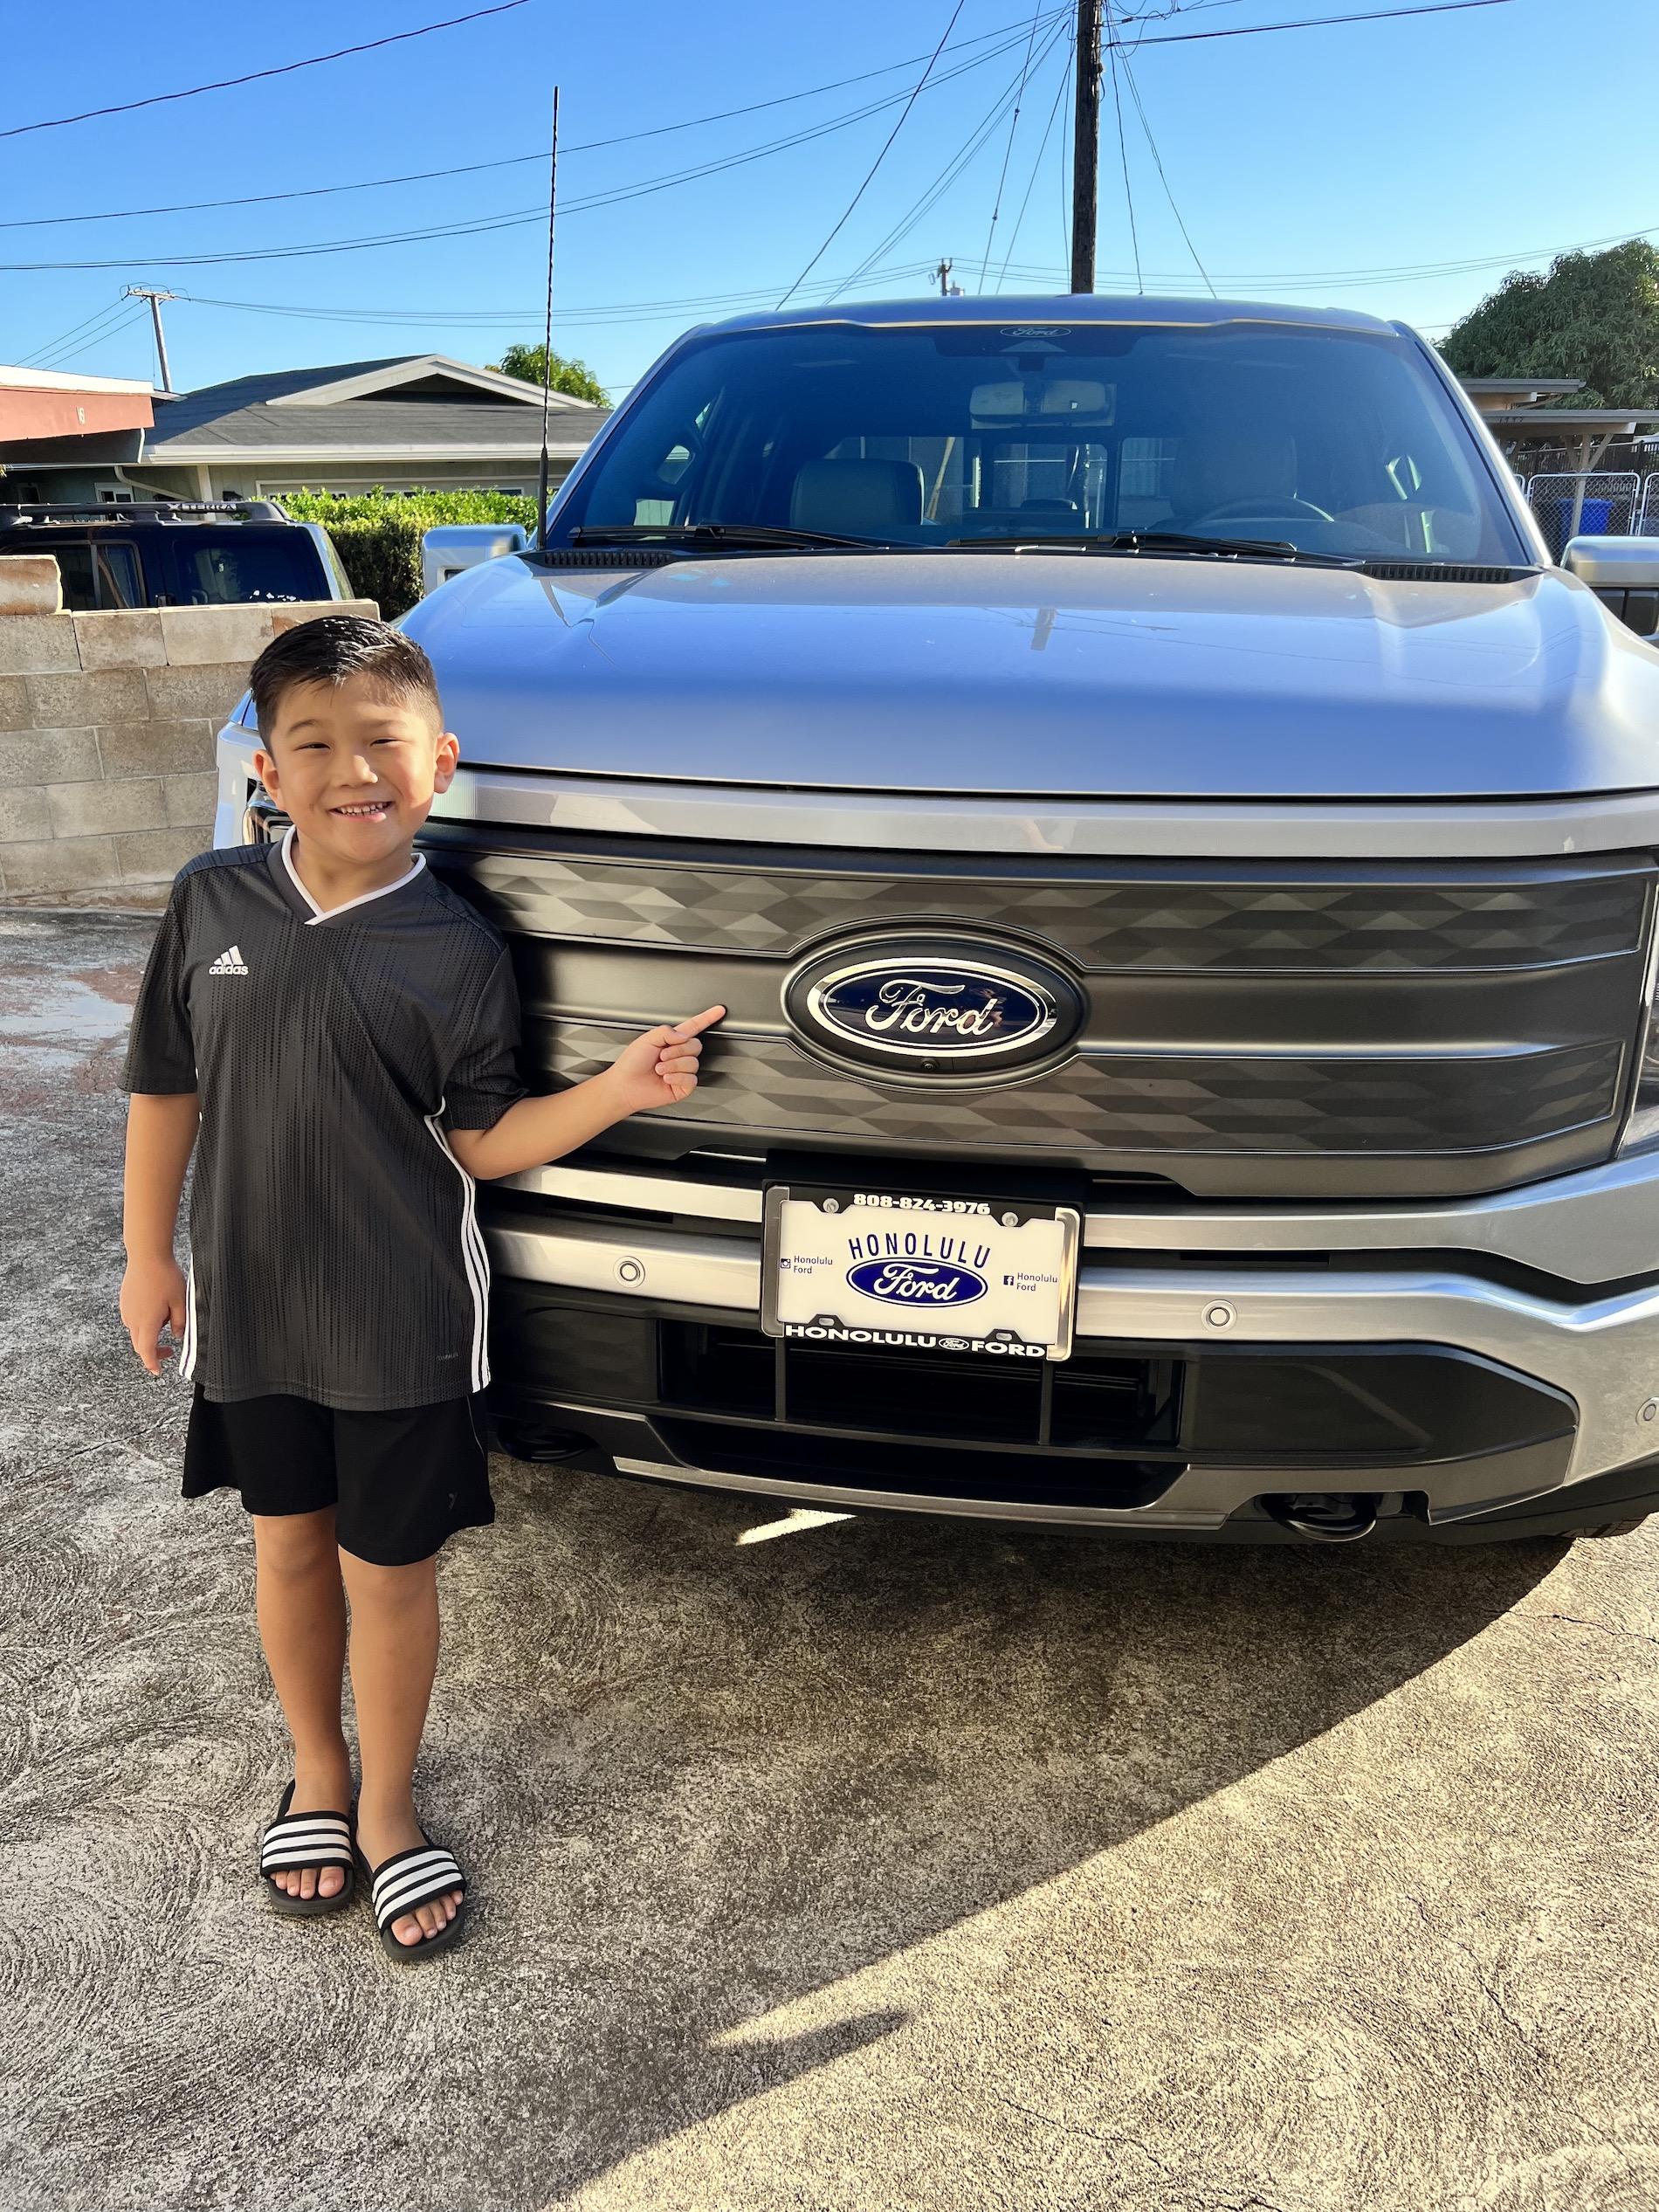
(1309, 165)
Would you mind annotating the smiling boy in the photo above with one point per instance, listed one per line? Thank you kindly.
(333, 1031)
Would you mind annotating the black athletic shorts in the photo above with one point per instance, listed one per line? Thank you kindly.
(400, 1483)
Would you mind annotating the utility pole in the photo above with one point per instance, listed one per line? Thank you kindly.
(1085, 146)
(943, 273)
(142, 292)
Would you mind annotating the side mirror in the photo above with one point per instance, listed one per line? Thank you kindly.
(1624, 575)
(454, 546)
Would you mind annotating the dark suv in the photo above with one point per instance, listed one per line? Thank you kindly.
(192, 553)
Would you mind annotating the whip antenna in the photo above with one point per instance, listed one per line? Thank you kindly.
(547, 343)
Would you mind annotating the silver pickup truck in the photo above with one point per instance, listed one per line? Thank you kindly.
(1181, 861)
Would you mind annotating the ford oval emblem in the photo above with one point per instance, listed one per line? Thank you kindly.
(931, 1009)
(918, 1283)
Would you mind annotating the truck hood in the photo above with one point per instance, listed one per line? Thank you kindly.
(1056, 673)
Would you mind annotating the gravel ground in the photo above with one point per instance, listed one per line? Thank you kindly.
(877, 1864)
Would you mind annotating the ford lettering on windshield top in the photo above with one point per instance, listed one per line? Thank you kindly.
(921, 1013)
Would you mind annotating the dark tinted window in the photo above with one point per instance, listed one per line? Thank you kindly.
(118, 581)
(280, 565)
(94, 575)
(1338, 441)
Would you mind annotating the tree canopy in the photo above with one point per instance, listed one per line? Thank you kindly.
(529, 364)
(1595, 315)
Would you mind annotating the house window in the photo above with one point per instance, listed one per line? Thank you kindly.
(115, 494)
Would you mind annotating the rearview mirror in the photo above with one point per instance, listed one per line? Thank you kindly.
(1016, 400)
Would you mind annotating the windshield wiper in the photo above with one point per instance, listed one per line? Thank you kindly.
(737, 535)
(1156, 541)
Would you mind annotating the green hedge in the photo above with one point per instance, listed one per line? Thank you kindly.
(378, 534)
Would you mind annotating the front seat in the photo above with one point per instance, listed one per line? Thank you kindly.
(857, 499)
(1228, 468)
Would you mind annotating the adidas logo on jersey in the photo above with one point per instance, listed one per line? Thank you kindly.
(229, 963)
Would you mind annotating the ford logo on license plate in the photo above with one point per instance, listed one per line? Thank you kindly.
(932, 1007)
(908, 1282)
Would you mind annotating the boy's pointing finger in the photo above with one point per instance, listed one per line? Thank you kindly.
(695, 1022)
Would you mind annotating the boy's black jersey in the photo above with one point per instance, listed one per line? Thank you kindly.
(336, 1254)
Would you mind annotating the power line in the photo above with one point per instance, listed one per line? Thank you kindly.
(978, 138)
(511, 217)
(285, 69)
(522, 160)
(1123, 144)
(1042, 147)
(104, 325)
(880, 159)
(1317, 22)
(53, 344)
(113, 325)
(1406, 272)
(1158, 160)
(981, 38)
(620, 311)
(285, 253)
(1285, 279)
(518, 218)
(261, 199)
(1008, 151)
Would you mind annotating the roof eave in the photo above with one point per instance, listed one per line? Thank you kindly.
(163, 455)
(410, 370)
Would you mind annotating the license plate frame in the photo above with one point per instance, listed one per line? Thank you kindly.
(1038, 1289)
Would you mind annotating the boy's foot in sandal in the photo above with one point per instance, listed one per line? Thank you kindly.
(306, 1855)
(418, 1889)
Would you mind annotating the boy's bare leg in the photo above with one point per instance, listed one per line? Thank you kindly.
(394, 1658)
(302, 1625)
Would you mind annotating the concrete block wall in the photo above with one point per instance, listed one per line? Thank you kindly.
(107, 730)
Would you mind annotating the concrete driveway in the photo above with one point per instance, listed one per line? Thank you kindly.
(885, 1864)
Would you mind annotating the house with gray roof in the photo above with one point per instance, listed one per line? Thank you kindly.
(415, 421)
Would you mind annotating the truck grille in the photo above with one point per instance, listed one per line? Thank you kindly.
(1273, 1030)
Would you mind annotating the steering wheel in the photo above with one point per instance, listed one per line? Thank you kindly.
(1269, 507)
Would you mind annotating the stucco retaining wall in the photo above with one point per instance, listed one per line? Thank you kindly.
(107, 730)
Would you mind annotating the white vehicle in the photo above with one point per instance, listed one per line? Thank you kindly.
(1180, 863)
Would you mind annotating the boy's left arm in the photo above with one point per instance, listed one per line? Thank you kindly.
(657, 1069)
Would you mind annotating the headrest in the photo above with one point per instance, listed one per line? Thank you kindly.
(857, 499)
(1229, 467)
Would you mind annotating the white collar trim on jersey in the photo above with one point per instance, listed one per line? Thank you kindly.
(325, 914)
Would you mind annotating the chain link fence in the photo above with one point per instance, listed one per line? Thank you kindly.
(1599, 503)
(1647, 519)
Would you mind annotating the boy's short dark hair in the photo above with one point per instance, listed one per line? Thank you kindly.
(329, 651)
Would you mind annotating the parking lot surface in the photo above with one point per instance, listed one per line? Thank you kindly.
(880, 1864)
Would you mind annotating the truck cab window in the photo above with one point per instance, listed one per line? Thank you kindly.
(1342, 440)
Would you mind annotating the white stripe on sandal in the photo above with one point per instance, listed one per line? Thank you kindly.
(407, 1884)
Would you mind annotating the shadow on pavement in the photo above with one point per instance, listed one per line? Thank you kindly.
(786, 1762)
(694, 1781)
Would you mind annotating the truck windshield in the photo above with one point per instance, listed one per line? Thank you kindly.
(1332, 441)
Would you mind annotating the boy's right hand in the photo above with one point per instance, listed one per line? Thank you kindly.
(153, 1296)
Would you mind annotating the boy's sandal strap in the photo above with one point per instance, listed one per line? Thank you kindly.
(302, 1841)
(408, 1879)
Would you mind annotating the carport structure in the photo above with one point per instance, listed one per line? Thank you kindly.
(1517, 412)
(51, 418)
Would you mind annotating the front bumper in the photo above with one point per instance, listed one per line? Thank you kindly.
(1456, 1361)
